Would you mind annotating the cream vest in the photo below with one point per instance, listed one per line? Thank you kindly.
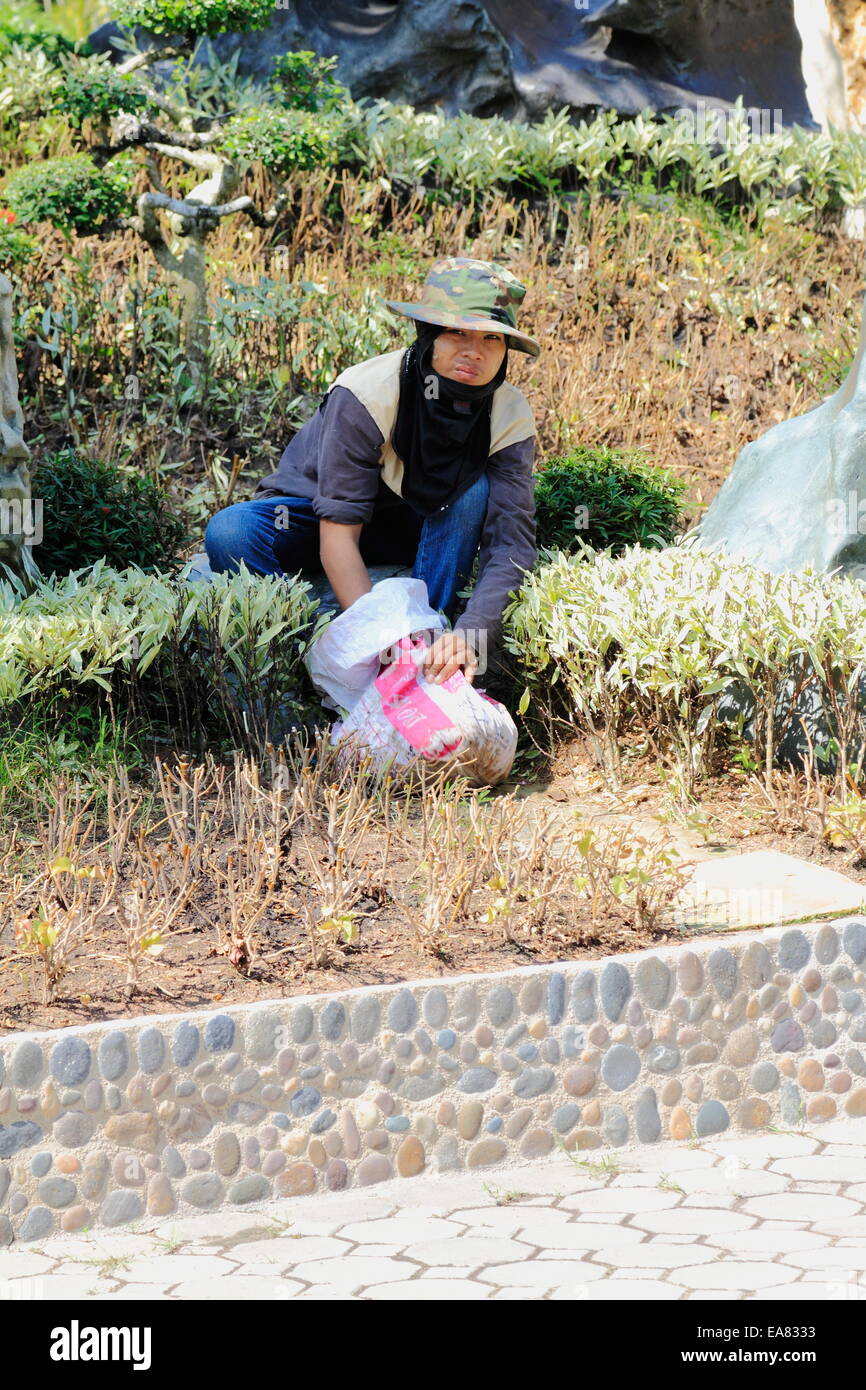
(376, 383)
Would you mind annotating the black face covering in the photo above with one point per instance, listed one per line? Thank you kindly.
(442, 429)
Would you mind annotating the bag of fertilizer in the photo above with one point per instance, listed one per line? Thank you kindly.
(397, 715)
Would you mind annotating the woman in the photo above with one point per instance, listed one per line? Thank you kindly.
(418, 456)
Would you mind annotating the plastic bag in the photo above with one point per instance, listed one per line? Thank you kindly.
(392, 713)
(403, 715)
(347, 657)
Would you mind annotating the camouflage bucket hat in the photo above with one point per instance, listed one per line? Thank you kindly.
(463, 293)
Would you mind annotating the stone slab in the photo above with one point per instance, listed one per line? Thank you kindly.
(763, 888)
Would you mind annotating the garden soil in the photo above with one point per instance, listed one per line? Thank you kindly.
(735, 817)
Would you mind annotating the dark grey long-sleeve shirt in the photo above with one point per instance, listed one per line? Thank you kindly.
(334, 461)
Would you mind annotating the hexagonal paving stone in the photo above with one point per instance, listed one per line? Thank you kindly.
(621, 1200)
(653, 1255)
(801, 1206)
(547, 1274)
(348, 1275)
(439, 1290)
(254, 1288)
(735, 1274)
(286, 1251)
(474, 1250)
(401, 1230)
(621, 1290)
(684, 1219)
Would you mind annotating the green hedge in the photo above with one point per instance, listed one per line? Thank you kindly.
(72, 192)
(224, 655)
(91, 511)
(606, 498)
(654, 640)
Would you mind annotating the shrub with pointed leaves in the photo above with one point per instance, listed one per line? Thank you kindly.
(227, 653)
(654, 639)
(606, 498)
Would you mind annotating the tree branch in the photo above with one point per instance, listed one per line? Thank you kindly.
(266, 219)
(153, 174)
(193, 211)
(205, 160)
(129, 131)
(149, 204)
(148, 56)
(147, 226)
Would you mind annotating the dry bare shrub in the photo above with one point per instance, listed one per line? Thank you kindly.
(548, 873)
(243, 882)
(193, 806)
(635, 876)
(439, 892)
(335, 808)
(147, 914)
(58, 913)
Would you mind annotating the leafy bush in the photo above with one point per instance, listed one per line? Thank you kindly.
(91, 511)
(195, 17)
(28, 78)
(16, 247)
(228, 653)
(606, 498)
(655, 640)
(95, 89)
(304, 81)
(210, 90)
(283, 141)
(72, 192)
(795, 168)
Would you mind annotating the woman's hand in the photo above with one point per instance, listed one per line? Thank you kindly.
(448, 653)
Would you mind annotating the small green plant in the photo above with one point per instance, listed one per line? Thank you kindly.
(680, 808)
(197, 655)
(16, 247)
(305, 81)
(654, 640)
(170, 1244)
(499, 1195)
(634, 873)
(666, 1184)
(283, 141)
(93, 89)
(743, 758)
(606, 498)
(92, 511)
(72, 192)
(605, 1167)
(109, 1266)
(845, 822)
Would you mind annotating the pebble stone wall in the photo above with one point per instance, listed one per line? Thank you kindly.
(103, 1124)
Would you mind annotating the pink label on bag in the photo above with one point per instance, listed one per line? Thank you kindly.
(410, 710)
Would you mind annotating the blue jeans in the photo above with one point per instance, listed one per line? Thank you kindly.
(280, 535)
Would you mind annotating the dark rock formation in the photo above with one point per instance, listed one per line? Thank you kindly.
(519, 58)
(630, 54)
(424, 52)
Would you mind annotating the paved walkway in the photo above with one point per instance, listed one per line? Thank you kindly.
(778, 1216)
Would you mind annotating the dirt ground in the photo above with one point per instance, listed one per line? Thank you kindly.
(735, 817)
